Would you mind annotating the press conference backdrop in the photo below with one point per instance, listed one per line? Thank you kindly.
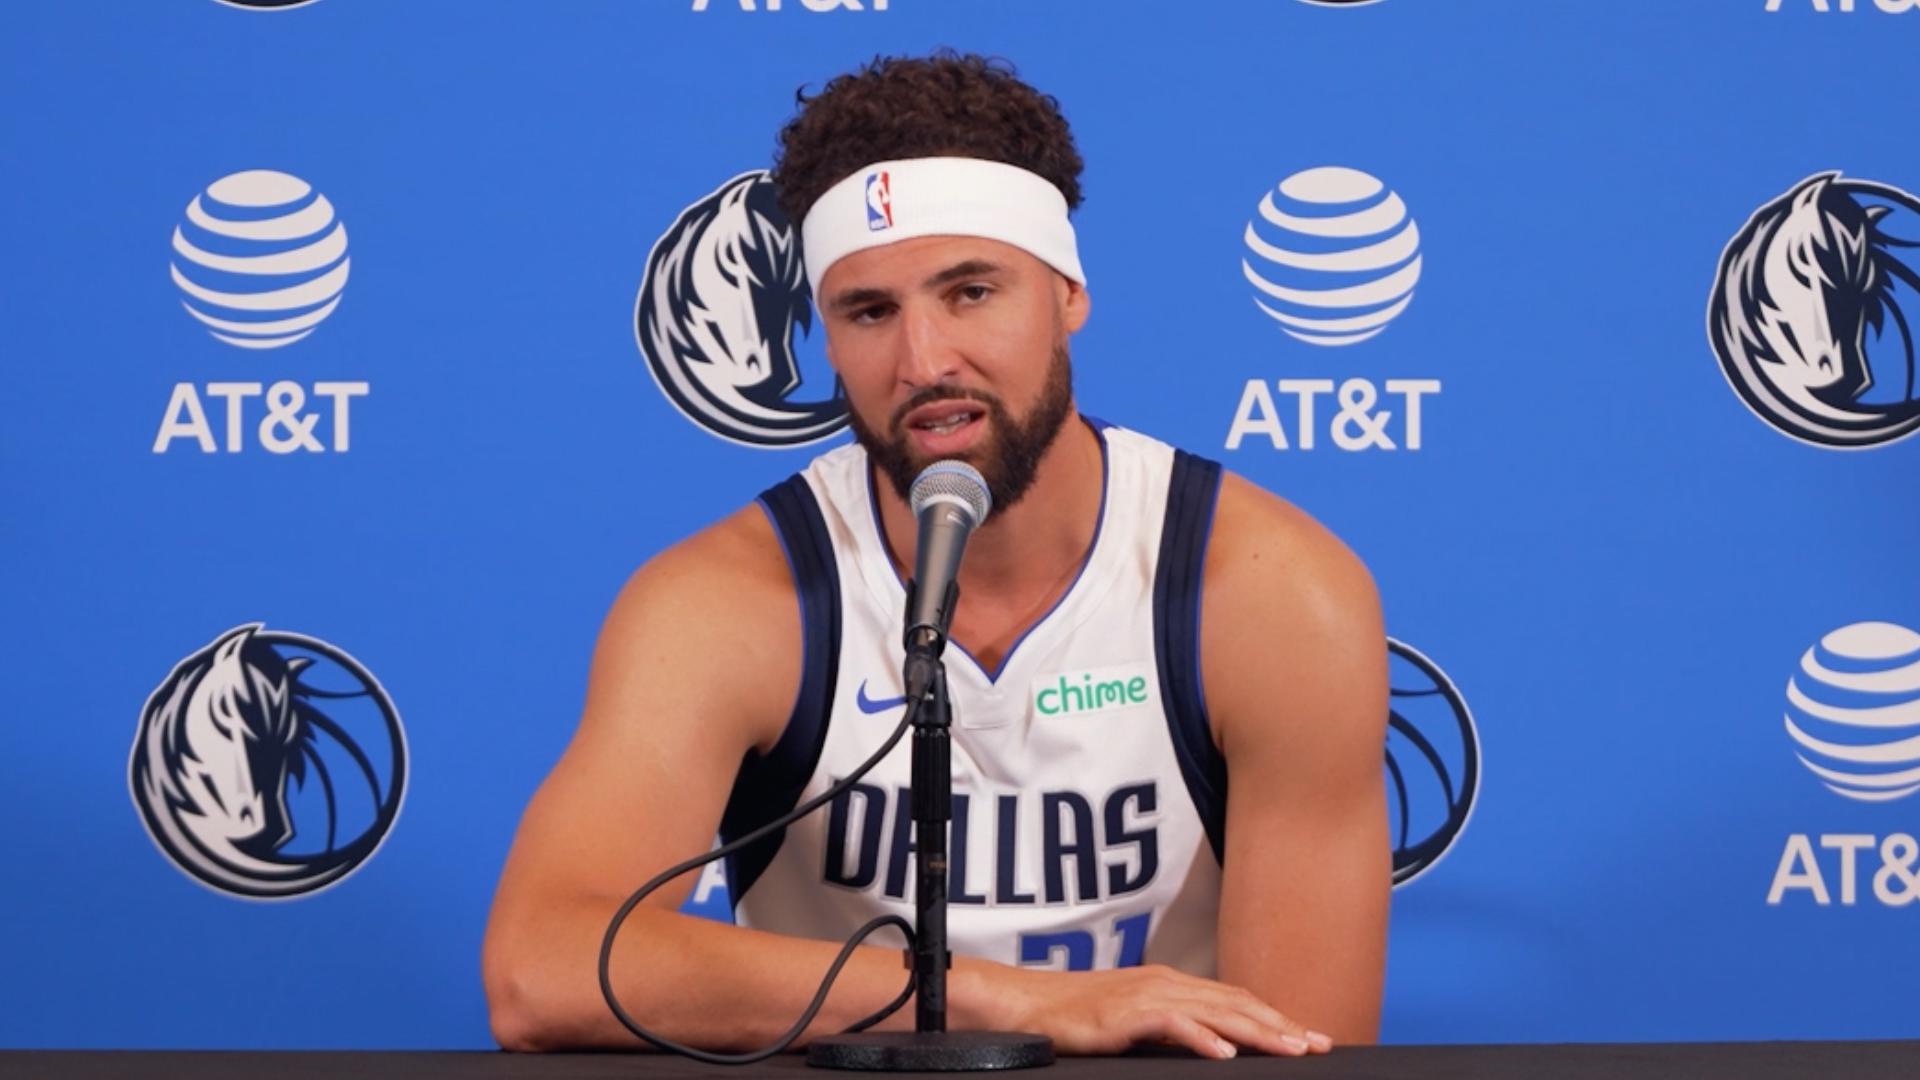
(356, 352)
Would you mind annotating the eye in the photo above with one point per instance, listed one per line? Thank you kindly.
(972, 292)
(869, 315)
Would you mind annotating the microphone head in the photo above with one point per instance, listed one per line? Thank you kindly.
(954, 482)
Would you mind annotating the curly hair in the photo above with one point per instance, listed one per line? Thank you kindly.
(945, 105)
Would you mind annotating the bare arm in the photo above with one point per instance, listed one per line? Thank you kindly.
(641, 786)
(1294, 660)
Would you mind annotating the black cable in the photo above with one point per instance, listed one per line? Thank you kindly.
(839, 961)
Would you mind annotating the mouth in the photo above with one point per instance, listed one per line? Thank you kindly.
(945, 427)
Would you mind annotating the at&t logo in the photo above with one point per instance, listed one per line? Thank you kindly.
(260, 259)
(268, 764)
(1332, 255)
(1343, 257)
(1853, 716)
(724, 297)
(284, 422)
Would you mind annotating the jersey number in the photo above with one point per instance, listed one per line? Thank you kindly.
(1038, 949)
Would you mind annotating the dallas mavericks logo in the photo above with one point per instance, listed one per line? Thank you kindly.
(1433, 761)
(724, 291)
(268, 764)
(1808, 314)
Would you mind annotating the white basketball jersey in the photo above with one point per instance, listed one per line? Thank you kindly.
(1089, 799)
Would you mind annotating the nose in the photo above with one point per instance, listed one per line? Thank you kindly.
(927, 355)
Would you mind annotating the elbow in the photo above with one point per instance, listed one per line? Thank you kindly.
(511, 1015)
(513, 1032)
(521, 1013)
(535, 1005)
(543, 991)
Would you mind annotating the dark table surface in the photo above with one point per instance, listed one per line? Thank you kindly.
(1641, 1061)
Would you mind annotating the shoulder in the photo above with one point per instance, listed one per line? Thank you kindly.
(1264, 545)
(702, 612)
(1289, 613)
(724, 568)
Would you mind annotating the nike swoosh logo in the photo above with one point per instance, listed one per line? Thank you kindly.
(870, 706)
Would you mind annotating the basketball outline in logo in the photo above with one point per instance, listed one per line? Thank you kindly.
(1798, 360)
(724, 293)
(224, 715)
(1413, 857)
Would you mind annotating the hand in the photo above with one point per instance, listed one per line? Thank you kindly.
(1105, 1012)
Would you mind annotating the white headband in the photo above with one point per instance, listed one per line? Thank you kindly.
(890, 201)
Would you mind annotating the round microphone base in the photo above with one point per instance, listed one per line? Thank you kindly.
(931, 1051)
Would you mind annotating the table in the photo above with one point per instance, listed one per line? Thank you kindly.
(1640, 1061)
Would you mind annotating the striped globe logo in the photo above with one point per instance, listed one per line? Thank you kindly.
(1332, 255)
(261, 259)
(1853, 711)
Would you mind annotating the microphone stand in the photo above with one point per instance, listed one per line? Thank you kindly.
(930, 1047)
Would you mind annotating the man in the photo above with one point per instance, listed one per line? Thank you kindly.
(1134, 629)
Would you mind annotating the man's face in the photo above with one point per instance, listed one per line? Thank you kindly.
(953, 347)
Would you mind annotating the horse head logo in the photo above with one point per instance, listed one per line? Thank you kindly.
(724, 294)
(1811, 286)
(225, 739)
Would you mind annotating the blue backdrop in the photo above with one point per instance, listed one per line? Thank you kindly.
(1617, 538)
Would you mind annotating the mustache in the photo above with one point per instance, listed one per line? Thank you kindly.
(932, 394)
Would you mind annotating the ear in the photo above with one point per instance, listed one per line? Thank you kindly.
(1075, 305)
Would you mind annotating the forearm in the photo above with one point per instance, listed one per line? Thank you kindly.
(692, 980)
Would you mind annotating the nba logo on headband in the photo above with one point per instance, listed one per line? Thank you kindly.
(879, 203)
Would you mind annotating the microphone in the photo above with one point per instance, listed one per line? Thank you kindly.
(950, 500)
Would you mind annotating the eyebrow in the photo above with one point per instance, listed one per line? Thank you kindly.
(853, 298)
(970, 268)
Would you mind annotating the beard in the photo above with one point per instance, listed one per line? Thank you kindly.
(1009, 455)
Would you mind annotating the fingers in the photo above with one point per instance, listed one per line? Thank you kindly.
(1251, 1004)
(1270, 1031)
(1180, 1029)
(1243, 1029)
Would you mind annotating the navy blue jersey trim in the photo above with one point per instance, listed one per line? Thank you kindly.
(1191, 495)
(770, 784)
